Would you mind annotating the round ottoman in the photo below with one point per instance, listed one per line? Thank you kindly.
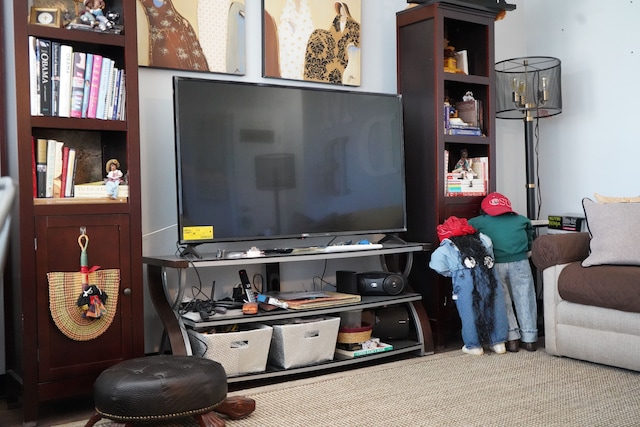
(165, 387)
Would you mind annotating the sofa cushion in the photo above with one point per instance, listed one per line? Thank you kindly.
(608, 199)
(614, 233)
(607, 286)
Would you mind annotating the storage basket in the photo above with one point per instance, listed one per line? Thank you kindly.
(241, 352)
(303, 342)
(355, 335)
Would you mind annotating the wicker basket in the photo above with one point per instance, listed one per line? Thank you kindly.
(354, 335)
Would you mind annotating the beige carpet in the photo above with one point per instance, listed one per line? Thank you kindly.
(453, 389)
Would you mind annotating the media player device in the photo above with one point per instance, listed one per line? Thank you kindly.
(246, 285)
(380, 283)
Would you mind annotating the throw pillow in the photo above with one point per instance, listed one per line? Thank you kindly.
(607, 199)
(615, 234)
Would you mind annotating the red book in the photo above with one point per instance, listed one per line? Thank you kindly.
(65, 165)
(95, 86)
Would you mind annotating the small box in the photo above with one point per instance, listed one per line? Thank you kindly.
(566, 222)
(241, 352)
(303, 342)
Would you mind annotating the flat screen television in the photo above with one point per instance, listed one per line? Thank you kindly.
(262, 161)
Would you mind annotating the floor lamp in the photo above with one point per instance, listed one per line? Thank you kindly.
(527, 89)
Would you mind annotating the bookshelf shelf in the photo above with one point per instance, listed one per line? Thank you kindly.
(425, 86)
(43, 364)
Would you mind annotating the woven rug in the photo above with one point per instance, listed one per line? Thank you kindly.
(453, 389)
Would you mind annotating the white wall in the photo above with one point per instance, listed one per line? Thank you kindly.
(589, 147)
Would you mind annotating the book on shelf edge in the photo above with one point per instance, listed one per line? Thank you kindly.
(97, 190)
(44, 52)
(57, 169)
(66, 68)
(105, 73)
(380, 348)
(65, 166)
(51, 156)
(70, 176)
(87, 84)
(34, 76)
(55, 77)
(41, 167)
(95, 86)
(77, 83)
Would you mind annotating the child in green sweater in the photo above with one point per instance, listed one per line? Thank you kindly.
(512, 237)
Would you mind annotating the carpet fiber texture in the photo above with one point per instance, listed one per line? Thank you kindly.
(454, 389)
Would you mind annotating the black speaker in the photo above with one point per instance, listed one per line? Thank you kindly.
(346, 282)
(391, 323)
(380, 283)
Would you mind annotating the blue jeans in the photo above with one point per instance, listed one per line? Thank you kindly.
(516, 277)
(462, 293)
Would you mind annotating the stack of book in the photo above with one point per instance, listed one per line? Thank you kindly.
(68, 83)
(372, 346)
(472, 183)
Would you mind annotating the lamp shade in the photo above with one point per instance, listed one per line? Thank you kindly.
(528, 86)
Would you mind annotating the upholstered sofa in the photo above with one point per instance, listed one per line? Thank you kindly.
(590, 313)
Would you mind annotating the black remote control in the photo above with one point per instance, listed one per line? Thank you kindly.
(246, 285)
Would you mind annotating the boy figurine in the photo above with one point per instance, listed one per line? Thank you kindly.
(113, 179)
(466, 256)
(512, 237)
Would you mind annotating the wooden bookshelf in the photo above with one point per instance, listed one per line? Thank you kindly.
(43, 363)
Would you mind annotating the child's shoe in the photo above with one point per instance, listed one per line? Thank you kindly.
(477, 351)
(499, 348)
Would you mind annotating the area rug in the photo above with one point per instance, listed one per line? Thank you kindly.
(453, 389)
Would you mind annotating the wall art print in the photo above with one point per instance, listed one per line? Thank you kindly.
(195, 35)
(312, 40)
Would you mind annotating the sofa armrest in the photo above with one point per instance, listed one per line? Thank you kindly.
(556, 249)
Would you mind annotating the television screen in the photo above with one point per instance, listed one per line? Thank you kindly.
(258, 161)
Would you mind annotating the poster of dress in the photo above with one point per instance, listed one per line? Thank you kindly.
(196, 35)
(312, 40)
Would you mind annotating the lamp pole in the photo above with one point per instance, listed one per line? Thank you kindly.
(530, 167)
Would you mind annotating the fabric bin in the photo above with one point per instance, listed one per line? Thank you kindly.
(241, 352)
(303, 342)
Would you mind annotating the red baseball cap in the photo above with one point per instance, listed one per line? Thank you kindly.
(496, 204)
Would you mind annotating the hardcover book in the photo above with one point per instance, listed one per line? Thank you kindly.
(34, 76)
(44, 47)
(377, 348)
(77, 83)
(55, 78)
(41, 167)
(66, 68)
(87, 84)
(95, 86)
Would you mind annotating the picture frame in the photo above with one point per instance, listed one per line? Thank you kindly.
(48, 17)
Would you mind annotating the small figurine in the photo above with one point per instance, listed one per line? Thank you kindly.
(468, 96)
(113, 179)
(94, 15)
(464, 164)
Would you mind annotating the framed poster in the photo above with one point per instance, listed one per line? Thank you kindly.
(195, 35)
(312, 40)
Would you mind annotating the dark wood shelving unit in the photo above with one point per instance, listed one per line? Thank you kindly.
(424, 85)
(43, 363)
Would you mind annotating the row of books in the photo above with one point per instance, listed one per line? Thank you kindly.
(68, 83)
(54, 173)
(55, 168)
